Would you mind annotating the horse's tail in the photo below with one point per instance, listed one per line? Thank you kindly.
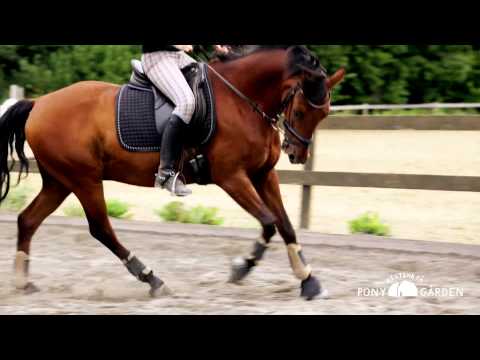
(12, 131)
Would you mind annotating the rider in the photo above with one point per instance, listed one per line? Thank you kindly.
(162, 64)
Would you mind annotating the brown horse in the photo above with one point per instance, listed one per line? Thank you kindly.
(73, 137)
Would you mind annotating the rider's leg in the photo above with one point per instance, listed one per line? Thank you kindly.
(172, 145)
(163, 69)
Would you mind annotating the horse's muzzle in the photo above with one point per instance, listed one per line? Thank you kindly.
(295, 155)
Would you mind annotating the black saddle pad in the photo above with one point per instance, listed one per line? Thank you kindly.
(137, 125)
(136, 120)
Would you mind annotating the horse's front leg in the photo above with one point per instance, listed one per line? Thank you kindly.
(242, 190)
(268, 187)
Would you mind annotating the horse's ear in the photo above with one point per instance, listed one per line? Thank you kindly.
(336, 78)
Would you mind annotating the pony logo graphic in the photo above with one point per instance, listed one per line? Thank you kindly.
(403, 289)
(408, 285)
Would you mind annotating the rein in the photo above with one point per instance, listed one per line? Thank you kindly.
(254, 105)
(284, 106)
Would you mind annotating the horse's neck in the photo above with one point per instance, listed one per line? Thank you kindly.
(259, 77)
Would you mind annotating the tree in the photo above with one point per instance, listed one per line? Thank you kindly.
(64, 67)
(375, 74)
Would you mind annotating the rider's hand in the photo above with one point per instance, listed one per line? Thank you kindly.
(222, 49)
(186, 48)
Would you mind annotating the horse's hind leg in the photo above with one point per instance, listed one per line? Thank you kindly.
(93, 202)
(47, 201)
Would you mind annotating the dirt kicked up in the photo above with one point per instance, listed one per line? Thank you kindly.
(77, 275)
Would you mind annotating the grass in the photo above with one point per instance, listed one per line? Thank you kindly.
(118, 209)
(370, 224)
(115, 209)
(172, 212)
(177, 212)
(203, 215)
(17, 198)
(74, 211)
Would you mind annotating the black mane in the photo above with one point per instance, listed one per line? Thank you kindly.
(299, 56)
(299, 59)
(240, 51)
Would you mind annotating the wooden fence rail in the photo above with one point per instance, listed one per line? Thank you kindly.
(429, 123)
(309, 178)
(365, 180)
(382, 181)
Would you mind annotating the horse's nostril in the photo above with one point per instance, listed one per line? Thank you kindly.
(291, 157)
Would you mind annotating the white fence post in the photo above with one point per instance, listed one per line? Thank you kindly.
(365, 111)
(17, 92)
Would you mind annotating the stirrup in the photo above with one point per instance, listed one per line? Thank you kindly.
(172, 187)
(161, 180)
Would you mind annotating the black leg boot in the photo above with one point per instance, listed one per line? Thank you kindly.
(172, 146)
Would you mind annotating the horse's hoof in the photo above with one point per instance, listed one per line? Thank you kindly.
(240, 270)
(311, 288)
(162, 291)
(30, 288)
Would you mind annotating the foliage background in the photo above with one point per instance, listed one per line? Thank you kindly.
(376, 74)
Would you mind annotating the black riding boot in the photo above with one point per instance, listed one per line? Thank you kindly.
(172, 146)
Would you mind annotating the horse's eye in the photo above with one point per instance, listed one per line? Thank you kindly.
(298, 114)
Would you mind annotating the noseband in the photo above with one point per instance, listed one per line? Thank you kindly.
(286, 105)
(286, 124)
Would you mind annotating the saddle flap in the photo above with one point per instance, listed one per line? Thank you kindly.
(143, 113)
(141, 105)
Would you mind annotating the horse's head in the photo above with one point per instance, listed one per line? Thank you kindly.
(307, 100)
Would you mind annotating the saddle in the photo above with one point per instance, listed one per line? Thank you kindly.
(143, 113)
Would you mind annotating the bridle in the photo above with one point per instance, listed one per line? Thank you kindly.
(286, 106)
(286, 123)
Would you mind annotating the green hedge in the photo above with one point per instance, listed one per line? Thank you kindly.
(376, 74)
